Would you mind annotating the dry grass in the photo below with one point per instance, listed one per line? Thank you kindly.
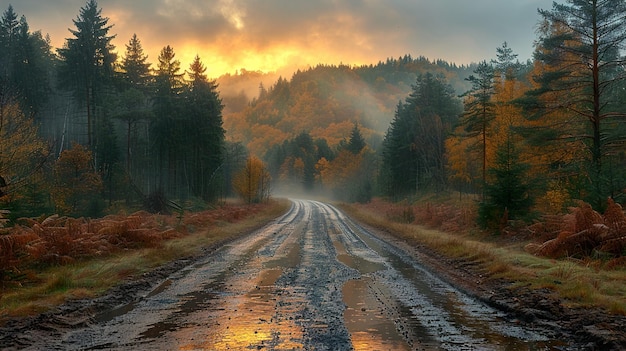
(88, 276)
(580, 283)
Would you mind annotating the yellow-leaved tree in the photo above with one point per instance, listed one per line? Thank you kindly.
(77, 185)
(252, 183)
(22, 156)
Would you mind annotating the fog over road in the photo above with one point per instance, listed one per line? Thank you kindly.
(310, 280)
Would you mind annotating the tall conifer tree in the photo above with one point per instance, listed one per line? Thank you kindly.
(580, 50)
(204, 141)
(135, 65)
(479, 108)
(88, 60)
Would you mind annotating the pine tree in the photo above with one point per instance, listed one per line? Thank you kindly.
(479, 108)
(579, 53)
(88, 60)
(135, 65)
(25, 61)
(506, 65)
(356, 142)
(414, 146)
(204, 142)
(507, 192)
(165, 131)
(132, 106)
(169, 79)
(9, 29)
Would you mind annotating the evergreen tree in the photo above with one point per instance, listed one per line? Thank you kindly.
(507, 192)
(580, 53)
(356, 142)
(506, 65)
(9, 29)
(479, 108)
(204, 142)
(399, 164)
(164, 128)
(135, 65)
(133, 108)
(304, 149)
(88, 60)
(25, 61)
(414, 146)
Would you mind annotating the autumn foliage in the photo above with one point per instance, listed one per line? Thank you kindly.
(62, 240)
(582, 233)
(76, 182)
(442, 216)
(252, 183)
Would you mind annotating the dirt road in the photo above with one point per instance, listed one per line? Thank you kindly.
(311, 280)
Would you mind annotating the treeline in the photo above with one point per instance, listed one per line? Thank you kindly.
(524, 138)
(82, 128)
(302, 127)
(343, 171)
(326, 100)
(531, 138)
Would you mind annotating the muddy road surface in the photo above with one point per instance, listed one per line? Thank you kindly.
(310, 280)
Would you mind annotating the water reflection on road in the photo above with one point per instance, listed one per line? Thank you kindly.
(311, 280)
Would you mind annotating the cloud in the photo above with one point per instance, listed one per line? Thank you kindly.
(270, 34)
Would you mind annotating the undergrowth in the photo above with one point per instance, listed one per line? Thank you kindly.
(583, 234)
(53, 259)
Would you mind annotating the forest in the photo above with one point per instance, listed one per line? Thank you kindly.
(88, 128)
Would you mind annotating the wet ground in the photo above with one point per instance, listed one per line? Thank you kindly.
(311, 280)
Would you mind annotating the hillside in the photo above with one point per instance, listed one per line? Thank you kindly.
(324, 101)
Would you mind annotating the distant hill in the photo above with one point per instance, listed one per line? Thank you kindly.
(325, 100)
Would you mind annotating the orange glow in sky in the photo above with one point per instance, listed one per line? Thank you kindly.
(281, 35)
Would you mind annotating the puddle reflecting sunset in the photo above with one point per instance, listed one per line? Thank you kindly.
(257, 320)
(314, 282)
(369, 329)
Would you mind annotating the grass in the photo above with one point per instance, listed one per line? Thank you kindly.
(50, 287)
(579, 284)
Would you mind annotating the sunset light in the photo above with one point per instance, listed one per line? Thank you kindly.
(349, 175)
(279, 36)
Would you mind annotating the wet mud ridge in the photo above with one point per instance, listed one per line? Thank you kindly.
(310, 280)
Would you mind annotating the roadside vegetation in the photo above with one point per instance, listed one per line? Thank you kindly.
(67, 258)
(445, 226)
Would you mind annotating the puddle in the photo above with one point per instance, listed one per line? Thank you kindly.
(260, 319)
(315, 282)
(369, 328)
(116, 312)
(124, 309)
(356, 262)
(360, 264)
(235, 312)
(291, 260)
(159, 289)
(450, 317)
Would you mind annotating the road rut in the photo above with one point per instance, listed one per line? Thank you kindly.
(310, 280)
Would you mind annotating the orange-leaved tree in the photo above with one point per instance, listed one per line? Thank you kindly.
(77, 185)
(252, 183)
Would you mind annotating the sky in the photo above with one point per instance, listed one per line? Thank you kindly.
(284, 35)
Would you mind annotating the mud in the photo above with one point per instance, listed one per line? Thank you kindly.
(315, 280)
